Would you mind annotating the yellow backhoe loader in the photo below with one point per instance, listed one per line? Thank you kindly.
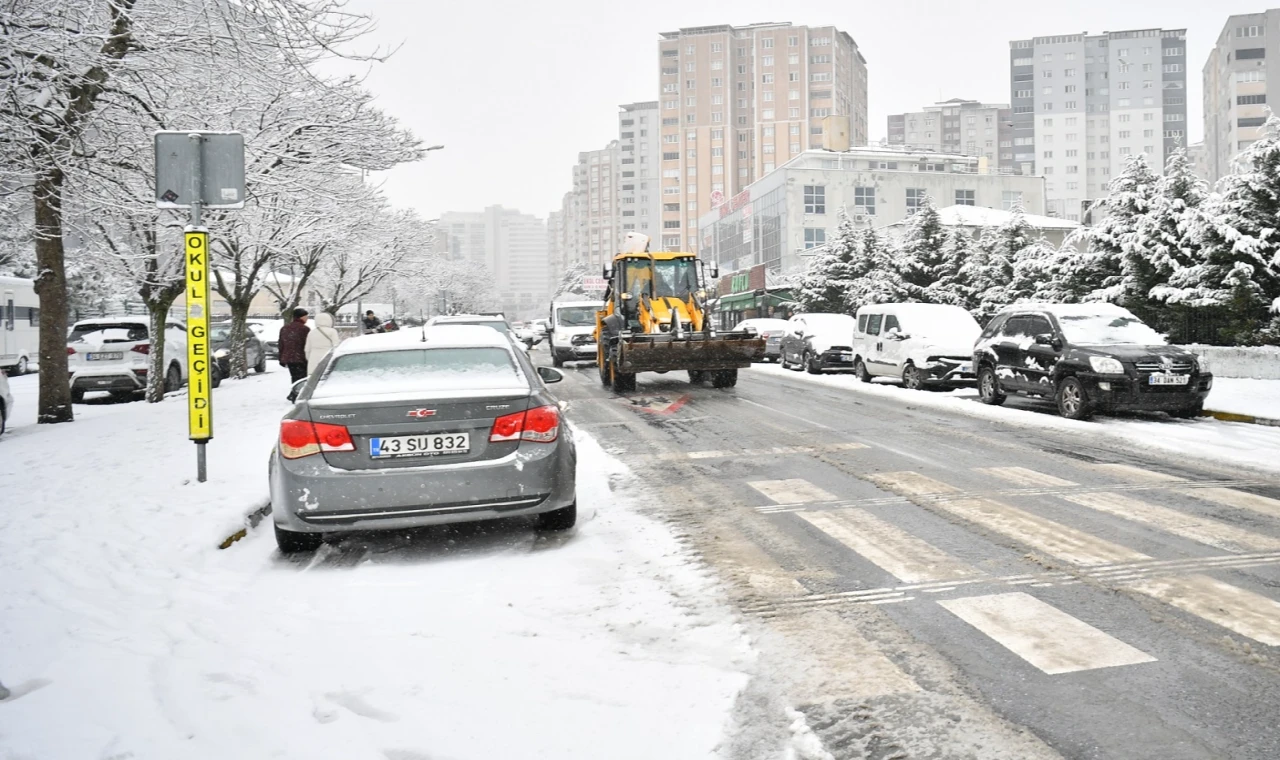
(654, 320)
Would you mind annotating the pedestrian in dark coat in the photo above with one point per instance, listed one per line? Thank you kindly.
(293, 345)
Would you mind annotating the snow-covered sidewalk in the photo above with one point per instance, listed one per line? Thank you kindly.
(1223, 442)
(127, 633)
(1245, 396)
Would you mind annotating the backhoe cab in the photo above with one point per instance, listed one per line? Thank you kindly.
(655, 320)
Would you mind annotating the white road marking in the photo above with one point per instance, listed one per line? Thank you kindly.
(786, 414)
(1138, 473)
(1021, 476)
(792, 491)
(892, 549)
(1202, 529)
(1051, 537)
(1043, 635)
(1230, 497)
(776, 450)
(1248, 614)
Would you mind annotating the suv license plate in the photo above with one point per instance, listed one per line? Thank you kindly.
(1168, 379)
(109, 356)
(395, 447)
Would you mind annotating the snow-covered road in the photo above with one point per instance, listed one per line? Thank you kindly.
(1228, 443)
(127, 633)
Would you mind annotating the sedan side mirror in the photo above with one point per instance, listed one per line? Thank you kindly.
(1045, 339)
(550, 374)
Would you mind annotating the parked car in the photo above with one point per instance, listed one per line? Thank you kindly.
(458, 427)
(494, 321)
(1092, 357)
(771, 330)
(919, 343)
(573, 331)
(6, 402)
(220, 344)
(19, 325)
(111, 354)
(818, 342)
(268, 331)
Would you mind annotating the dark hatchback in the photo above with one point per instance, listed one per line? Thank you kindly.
(1088, 358)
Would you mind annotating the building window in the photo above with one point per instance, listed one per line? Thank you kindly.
(965, 198)
(864, 200)
(767, 60)
(766, 42)
(820, 76)
(1173, 68)
(793, 113)
(1010, 198)
(815, 199)
(1246, 100)
(1256, 75)
(814, 236)
(1254, 121)
(915, 199)
(766, 78)
(1047, 154)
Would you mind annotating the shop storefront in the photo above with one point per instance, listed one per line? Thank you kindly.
(746, 295)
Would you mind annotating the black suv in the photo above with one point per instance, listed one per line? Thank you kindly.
(1087, 357)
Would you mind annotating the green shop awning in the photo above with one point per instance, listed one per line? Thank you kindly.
(736, 302)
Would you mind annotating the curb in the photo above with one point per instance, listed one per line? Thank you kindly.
(1248, 419)
(251, 521)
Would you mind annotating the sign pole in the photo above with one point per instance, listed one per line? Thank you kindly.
(199, 392)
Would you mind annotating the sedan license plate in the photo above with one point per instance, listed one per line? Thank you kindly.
(1168, 379)
(395, 447)
(965, 368)
(846, 357)
(109, 356)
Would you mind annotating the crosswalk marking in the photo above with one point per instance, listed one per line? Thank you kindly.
(1202, 529)
(1046, 535)
(776, 450)
(792, 491)
(1138, 473)
(1043, 635)
(910, 483)
(1230, 497)
(1021, 476)
(895, 551)
(1248, 614)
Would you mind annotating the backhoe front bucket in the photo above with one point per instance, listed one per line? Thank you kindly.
(692, 351)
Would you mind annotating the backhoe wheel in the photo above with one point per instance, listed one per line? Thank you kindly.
(602, 364)
(724, 378)
(622, 382)
(697, 376)
(556, 359)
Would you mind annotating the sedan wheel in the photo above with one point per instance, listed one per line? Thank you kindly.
(1072, 402)
(559, 519)
(811, 364)
(23, 366)
(172, 379)
(291, 542)
(261, 366)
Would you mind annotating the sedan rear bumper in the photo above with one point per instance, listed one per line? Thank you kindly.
(309, 496)
(115, 382)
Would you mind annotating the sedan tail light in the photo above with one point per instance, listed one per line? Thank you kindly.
(540, 425)
(70, 351)
(303, 438)
(142, 348)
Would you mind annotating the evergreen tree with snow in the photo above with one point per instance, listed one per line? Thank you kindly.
(920, 256)
(825, 285)
(1237, 233)
(952, 286)
(1097, 273)
(874, 276)
(1163, 244)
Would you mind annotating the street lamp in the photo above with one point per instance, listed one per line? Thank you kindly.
(435, 147)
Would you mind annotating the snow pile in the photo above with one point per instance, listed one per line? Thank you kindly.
(127, 633)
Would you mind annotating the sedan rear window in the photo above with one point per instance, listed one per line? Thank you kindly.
(420, 370)
(103, 332)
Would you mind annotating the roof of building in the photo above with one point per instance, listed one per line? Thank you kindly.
(979, 216)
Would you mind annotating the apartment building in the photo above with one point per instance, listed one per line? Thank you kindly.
(1083, 104)
(1236, 83)
(964, 127)
(736, 102)
(795, 208)
(592, 210)
(639, 171)
(511, 246)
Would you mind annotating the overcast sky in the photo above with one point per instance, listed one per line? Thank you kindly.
(515, 90)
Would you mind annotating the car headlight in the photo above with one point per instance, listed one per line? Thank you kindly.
(221, 353)
(1106, 365)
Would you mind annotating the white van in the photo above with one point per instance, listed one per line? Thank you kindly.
(922, 344)
(573, 327)
(19, 325)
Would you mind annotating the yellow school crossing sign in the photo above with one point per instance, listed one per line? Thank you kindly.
(199, 369)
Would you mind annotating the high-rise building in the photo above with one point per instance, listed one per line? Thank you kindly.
(736, 102)
(1236, 86)
(639, 175)
(555, 248)
(958, 126)
(1083, 104)
(592, 210)
(513, 248)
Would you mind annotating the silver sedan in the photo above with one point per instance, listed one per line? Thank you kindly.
(419, 427)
